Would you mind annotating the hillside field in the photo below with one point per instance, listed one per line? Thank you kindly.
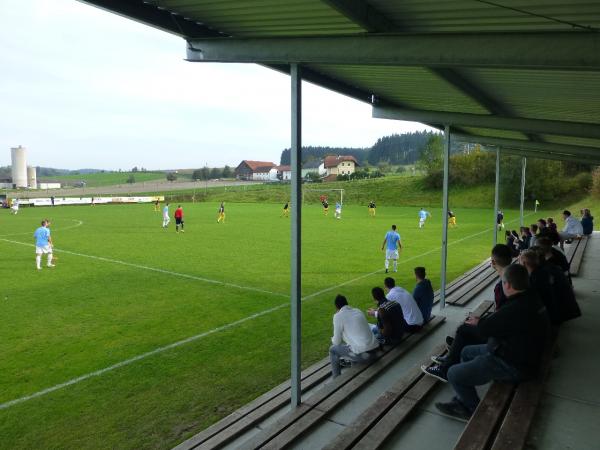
(123, 287)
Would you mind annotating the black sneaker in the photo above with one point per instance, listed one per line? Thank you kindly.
(449, 342)
(438, 359)
(435, 372)
(386, 271)
(454, 410)
(345, 363)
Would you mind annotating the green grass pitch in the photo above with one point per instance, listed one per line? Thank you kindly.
(123, 286)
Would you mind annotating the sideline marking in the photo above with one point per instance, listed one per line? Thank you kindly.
(201, 335)
(78, 224)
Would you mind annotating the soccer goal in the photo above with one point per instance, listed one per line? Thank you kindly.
(315, 195)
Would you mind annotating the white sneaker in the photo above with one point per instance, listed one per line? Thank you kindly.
(51, 265)
(38, 268)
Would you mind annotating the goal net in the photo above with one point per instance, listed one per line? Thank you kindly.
(315, 195)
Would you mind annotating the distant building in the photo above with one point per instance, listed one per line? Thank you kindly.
(256, 170)
(310, 167)
(284, 173)
(49, 185)
(338, 165)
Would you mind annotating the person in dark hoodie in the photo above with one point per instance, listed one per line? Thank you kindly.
(516, 337)
(423, 293)
(390, 318)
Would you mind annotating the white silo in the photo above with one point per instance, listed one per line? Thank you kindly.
(31, 177)
(19, 167)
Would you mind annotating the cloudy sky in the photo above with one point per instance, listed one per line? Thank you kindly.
(84, 88)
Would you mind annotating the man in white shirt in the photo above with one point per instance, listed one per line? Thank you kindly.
(572, 228)
(412, 314)
(352, 336)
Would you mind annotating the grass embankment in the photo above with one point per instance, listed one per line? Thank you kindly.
(105, 178)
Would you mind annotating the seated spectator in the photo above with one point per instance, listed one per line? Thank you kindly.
(572, 228)
(552, 224)
(553, 255)
(412, 313)
(352, 336)
(515, 339)
(525, 239)
(534, 234)
(587, 222)
(510, 243)
(423, 293)
(468, 333)
(390, 319)
(544, 230)
(541, 282)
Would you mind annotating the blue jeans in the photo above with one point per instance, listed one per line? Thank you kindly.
(478, 367)
(337, 351)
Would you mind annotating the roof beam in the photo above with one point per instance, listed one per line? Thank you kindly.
(569, 50)
(544, 147)
(150, 14)
(363, 14)
(578, 129)
(553, 157)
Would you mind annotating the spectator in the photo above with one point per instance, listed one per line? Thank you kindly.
(390, 320)
(423, 293)
(541, 282)
(468, 333)
(525, 241)
(587, 222)
(546, 231)
(412, 313)
(513, 242)
(534, 234)
(572, 228)
(552, 224)
(515, 335)
(352, 336)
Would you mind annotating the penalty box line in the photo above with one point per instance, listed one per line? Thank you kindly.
(198, 336)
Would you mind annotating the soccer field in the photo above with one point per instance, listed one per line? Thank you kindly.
(140, 336)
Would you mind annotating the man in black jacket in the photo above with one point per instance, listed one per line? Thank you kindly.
(516, 335)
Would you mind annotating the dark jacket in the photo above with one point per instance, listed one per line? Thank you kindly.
(499, 297)
(542, 283)
(390, 321)
(423, 295)
(566, 304)
(518, 332)
(587, 223)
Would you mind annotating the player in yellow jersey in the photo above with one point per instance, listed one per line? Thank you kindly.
(372, 208)
(451, 219)
(221, 215)
(286, 210)
(325, 207)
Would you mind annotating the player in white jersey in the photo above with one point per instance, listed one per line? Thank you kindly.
(43, 245)
(392, 245)
(338, 210)
(14, 208)
(423, 217)
(166, 218)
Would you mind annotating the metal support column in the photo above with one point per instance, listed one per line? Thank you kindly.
(523, 169)
(296, 253)
(445, 218)
(497, 196)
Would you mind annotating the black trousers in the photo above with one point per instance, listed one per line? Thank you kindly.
(465, 335)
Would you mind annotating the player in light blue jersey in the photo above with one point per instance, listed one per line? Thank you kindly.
(166, 218)
(392, 244)
(43, 244)
(423, 217)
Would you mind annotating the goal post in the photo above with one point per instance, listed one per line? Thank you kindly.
(312, 194)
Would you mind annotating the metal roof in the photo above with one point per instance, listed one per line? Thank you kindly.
(531, 67)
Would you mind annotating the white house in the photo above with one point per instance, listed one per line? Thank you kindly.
(339, 165)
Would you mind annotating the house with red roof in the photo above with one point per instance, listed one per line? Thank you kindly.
(256, 170)
(338, 165)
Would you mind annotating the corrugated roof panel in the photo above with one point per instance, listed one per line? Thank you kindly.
(489, 132)
(414, 87)
(544, 94)
(473, 15)
(265, 17)
(569, 140)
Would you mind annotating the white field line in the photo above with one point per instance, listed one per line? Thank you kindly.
(78, 224)
(198, 336)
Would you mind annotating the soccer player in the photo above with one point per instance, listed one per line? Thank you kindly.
(423, 217)
(43, 244)
(537, 204)
(338, 210)
(166, 218)
(14, 207)
(221, 215)
(156, 205)
(179, 219)
(286, 210)
(451, 219)
(392, 245)
(500, 220)
(372, 208)
(325, 207)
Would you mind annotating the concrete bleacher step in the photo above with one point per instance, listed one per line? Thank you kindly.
(319, 405)
(577, 257)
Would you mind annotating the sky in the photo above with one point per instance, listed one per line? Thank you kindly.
(84, 88)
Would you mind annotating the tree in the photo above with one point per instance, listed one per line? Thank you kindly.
(171, 176)
(135, 169)
(131, 179)
(215, 173)
(227, 172)
(432, 154)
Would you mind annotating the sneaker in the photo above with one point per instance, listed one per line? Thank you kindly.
(386, 271)
(38, 268)
(435, 372)
(438, 359)
(449, 342)
(345, 363)
(51, 265)
(454, 410)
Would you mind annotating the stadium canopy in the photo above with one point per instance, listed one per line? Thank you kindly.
(519, 75)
